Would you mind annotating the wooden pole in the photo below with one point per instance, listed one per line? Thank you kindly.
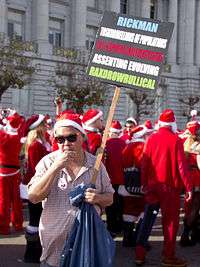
(105, 135)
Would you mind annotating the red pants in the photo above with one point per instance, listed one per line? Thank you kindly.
(10, 203)
(169, 200)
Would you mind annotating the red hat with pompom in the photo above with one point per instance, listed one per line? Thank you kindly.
(115, 127)
(13, 122)
(91, 116)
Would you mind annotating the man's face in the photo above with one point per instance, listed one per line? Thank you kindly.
(129, 126)
(69, 139)
(99, 124)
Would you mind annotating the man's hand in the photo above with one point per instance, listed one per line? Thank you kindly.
(188, 196)
(91, 196)
(64, 158)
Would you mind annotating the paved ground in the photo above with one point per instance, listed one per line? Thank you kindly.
(12, 249)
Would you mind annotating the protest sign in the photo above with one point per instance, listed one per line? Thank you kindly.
(129, 51)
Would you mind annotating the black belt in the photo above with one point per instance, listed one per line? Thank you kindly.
(9, 166)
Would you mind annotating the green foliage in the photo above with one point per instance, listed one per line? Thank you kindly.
(15, 66)
(77, 88)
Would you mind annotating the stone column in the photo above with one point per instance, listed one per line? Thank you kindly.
(197, 54)
(115, 6)
(145, 8)
(189, 32)
(41, 25)
(172, 17)
(79, 21)
(3, 11)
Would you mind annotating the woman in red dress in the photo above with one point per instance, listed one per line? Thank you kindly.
(36, 148)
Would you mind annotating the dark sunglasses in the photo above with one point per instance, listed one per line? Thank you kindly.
(70, 138)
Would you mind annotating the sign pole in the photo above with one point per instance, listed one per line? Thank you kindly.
(105, 135)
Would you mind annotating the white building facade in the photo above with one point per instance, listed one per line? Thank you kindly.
(55, 24)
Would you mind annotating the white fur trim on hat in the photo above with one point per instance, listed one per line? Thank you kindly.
(113, 130)
(131, 119)
(99, 115)
(9, 129)
(142, 133)
(37, 122)
(66, 123)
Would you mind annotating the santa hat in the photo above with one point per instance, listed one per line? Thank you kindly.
(69, 119)
(131, 120)
(13, 122)
(167, 118)
(68, 111)
(141, 130)
(31, 123)
(35, 120)
(91, 116)
(115, 127)
(148, 124)
(193, 127)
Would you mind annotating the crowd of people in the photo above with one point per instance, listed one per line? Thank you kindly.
(145, 169)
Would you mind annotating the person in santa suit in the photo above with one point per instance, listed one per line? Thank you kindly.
(164, 172)
(129, 125)
(133, 203)
(113, 163)
(10, 202)
(190, 235)
(92, 121)
(36, 148)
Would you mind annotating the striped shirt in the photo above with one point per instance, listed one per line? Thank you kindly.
(58, 214)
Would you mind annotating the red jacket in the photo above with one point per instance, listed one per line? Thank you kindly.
(36, 152)
(132, 154)
(164, 161)
(93, 141)
(113, 160)
(10, 147)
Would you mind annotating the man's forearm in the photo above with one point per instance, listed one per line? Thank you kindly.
(39, 190)
(105, 199)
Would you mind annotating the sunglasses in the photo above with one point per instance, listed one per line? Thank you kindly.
(70, 138)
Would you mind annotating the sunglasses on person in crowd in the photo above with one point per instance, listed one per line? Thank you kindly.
(70, 138)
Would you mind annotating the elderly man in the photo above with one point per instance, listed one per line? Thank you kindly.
(56, 175)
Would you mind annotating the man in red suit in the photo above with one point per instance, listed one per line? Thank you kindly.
(113, 164)
(93, 125)
(129, 125)
(10, 202)
(133, 203)
(164, 172)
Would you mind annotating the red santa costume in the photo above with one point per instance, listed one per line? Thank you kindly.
(113, 163)
(164, 171)
(10, 202)
(36, 149)
(133, 205)
(130, 124)
(94, 136)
